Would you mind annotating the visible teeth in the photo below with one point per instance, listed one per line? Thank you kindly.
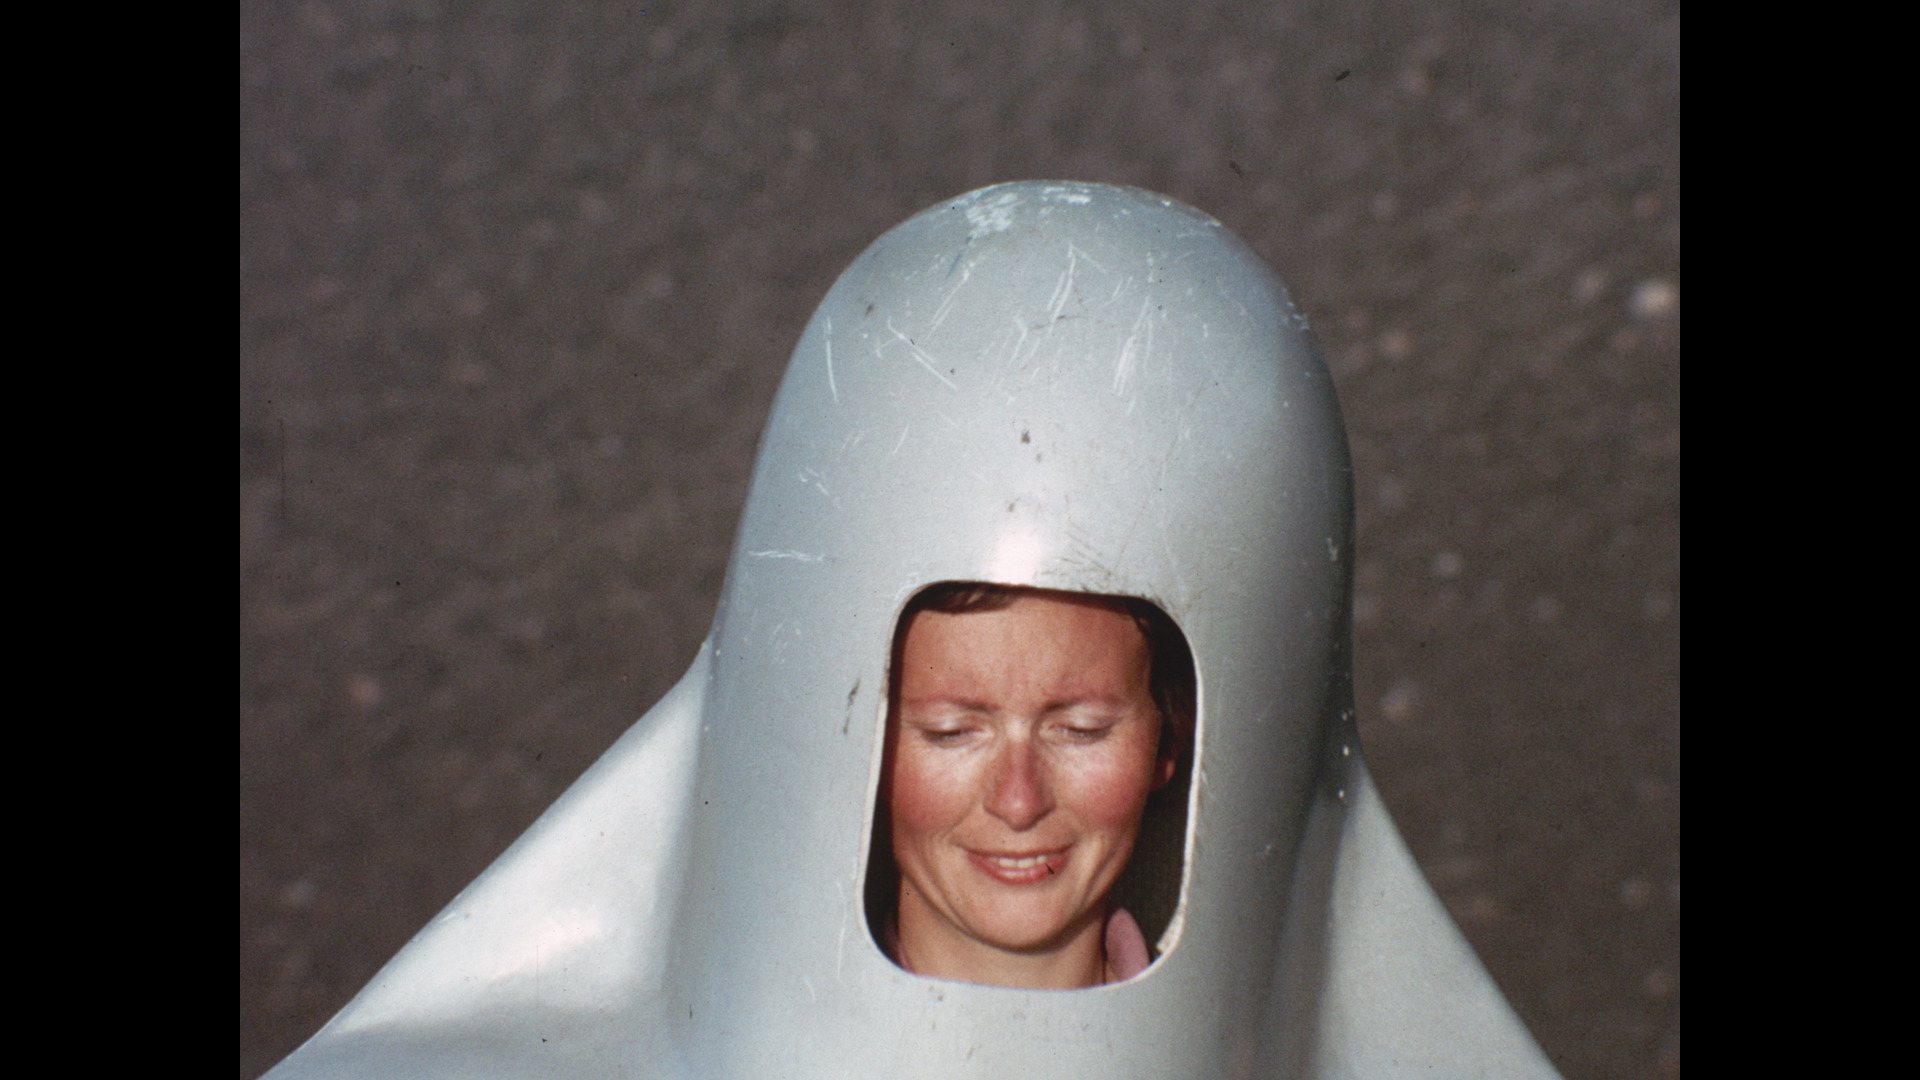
(1019, 864)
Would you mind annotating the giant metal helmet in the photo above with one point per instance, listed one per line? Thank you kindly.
(1059, 385)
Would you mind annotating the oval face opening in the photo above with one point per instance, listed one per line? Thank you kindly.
(1030, 822)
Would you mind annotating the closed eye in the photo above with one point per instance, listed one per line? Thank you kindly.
(1085, 732)
(944, 737)
(948, 731)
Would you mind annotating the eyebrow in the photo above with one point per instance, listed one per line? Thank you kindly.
(1110, 701)
(934, 700)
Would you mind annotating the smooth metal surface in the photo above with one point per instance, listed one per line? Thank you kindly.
(1062, 385)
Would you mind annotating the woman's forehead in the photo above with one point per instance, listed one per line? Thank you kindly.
(1093, 646)
(1032, 615)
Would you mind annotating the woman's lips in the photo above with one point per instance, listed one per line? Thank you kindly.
(1019, 868)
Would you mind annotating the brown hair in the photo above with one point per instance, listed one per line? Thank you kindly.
(1170, 678)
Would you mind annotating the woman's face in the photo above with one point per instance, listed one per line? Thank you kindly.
(1025, 745)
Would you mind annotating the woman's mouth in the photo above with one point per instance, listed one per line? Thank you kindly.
(1020, 868)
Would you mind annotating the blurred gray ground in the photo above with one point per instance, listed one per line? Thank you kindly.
(517, 282)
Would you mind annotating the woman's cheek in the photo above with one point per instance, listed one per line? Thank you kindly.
(924, 797)
(1114, 793)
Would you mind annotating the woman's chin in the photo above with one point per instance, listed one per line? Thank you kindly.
(1029, 931)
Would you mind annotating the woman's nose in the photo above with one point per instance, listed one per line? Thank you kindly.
(1019, 793)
